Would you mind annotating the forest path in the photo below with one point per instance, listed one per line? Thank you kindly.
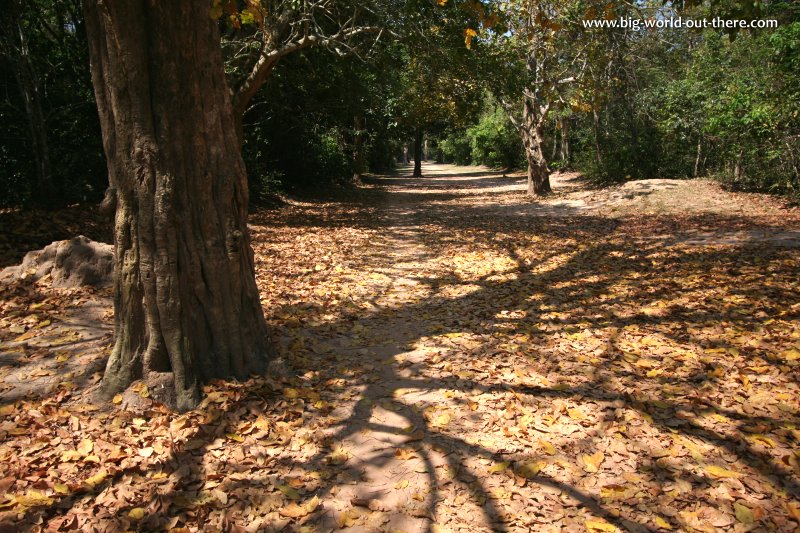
(498, 349)
(465, 359)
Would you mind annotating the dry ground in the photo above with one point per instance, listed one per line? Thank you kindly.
(466, 360)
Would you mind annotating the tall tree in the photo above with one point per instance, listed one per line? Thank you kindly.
(186, 304)
(540, 51)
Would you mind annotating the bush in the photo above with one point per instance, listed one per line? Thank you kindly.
(495, 142)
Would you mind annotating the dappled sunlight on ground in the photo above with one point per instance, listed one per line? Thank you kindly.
(457, 370)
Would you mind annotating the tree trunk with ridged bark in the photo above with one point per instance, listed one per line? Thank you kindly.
(532, 132)
(186, 305)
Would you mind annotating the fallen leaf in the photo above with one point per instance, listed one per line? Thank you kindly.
(547, 447)
(599, 525)
(529, 469)
(591, 463)
(290, 492)
(33, 498)
(85, 447)
(719, 472)
(498, 467)
(348, 518)
(146, 452)
(293, 510)
(96, 479)
(743, 513)
(663, 524)
(137, 513)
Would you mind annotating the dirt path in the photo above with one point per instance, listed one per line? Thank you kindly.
(467, 360)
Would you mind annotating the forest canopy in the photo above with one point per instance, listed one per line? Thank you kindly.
(348, 93)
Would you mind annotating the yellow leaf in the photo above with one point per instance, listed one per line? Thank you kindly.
(293, 510)
(137, 513)
(791, 355)
(663, 524)
(441, 420)
(70, 455)
(96, 479)
(339, 456)
(85, 447)
(576, 414)
(743, 513)
(499, 467)
(403, 483)
(61, 488)
(469, 34)
(599, 525)
(592, 462)
(404, 454)
(718, 471)
(613, 491)
(33, 498)
(291, 393)
(235, 437)
(348, 518)
(547, 447)
(530, 469)
(116, 400)
(763, 439)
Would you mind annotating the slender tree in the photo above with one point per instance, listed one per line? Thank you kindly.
(186, 304)
(537, 54)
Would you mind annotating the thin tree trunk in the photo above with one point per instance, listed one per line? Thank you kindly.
(31, 91)
(698, 158)
(418, 153)
(596, 130)
(186, 304)
(359, 159)
(564, 154)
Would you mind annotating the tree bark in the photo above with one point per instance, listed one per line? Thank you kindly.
(186, 303)
(532, 132)
(418, 153)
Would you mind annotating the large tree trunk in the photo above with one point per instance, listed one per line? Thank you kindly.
(532, 131)
(186, 304)
(418, 153)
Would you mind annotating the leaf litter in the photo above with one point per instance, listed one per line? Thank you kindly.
(460, 364)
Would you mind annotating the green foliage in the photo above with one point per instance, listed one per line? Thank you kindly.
(456, 148)
(495, 142)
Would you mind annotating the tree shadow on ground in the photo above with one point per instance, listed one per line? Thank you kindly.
(570, 321)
